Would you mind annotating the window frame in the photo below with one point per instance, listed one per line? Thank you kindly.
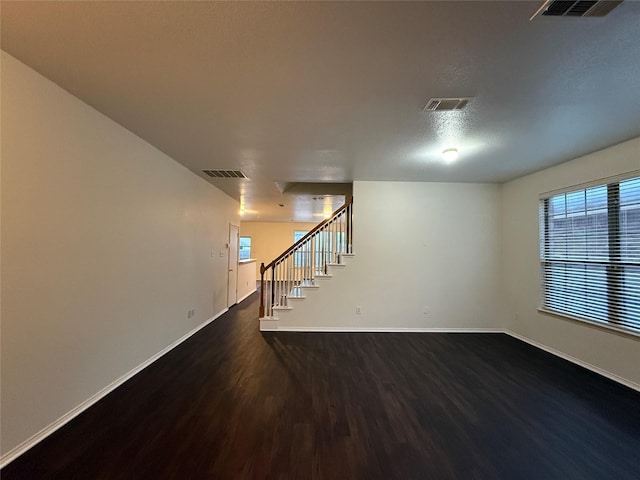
(615, 265)
(240, 259)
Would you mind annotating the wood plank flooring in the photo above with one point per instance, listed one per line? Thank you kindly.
(231, 403)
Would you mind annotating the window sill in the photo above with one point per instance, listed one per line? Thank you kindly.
(249, 260)
(590, 323)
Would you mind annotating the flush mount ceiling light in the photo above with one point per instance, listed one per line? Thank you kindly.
(450, 155)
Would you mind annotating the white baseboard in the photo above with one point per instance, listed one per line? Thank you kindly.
(387, 330)
(268, 324)
(67, 417)
(577, 361)
(247, 295)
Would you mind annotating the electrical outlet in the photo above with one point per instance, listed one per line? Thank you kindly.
(426, 310)
(358, 310)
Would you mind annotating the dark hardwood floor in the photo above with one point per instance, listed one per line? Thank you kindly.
(231, 403)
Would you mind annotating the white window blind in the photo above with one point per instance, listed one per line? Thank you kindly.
(590, 253)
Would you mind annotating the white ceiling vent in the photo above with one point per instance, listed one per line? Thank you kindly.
(576, 8)
(225, 173)
(446, 104)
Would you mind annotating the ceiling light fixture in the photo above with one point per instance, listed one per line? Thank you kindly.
(450, 155)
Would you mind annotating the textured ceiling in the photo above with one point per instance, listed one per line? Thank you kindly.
(332, 92)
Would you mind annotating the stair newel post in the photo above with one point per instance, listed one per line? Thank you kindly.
(262, 292)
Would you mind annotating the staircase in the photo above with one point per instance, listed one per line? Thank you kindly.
(300, 270)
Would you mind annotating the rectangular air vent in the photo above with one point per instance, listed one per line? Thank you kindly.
(446, 104)
(576, 8)
(225, 173)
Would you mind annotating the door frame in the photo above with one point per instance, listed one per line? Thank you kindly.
(232, 263)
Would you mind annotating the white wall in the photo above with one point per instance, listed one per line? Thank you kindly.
(246, 279)
(416, 244)
(270, 239)
(106, 244)
(612, 352)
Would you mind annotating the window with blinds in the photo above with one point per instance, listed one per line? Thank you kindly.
(590, 253)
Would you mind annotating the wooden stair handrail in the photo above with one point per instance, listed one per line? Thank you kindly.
(264, 268)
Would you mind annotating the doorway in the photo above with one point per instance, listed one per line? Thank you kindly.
(232, 288)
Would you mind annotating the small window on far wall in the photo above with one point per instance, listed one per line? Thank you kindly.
(244, 252)
(590, 253)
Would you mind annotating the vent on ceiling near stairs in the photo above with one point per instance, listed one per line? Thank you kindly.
(446, 104)
(576, 8)
(225, 173)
